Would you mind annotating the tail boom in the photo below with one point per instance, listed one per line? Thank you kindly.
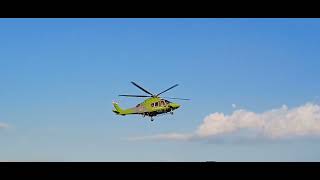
(120, 111)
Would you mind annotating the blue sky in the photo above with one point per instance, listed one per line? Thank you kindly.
(59, 76)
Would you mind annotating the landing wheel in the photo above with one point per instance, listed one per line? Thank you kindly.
(151, 119)
(171, 112)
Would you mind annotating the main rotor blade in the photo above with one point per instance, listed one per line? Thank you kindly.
(174, 98)
(141, 88)
(134, 95)
(167, 89)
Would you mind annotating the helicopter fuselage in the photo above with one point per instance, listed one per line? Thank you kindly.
(150, 107)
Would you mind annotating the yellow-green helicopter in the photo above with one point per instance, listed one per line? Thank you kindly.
(151, 107)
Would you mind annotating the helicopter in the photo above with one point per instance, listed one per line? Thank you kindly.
(152, 106)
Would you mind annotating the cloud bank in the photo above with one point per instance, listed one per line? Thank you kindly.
(274, 124)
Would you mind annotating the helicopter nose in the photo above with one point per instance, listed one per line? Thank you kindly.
(175, 105)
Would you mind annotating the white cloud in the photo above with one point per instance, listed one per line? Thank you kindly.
(276, 123)
(3, 125)
(279, 123)
(234, 105)
(168, 136)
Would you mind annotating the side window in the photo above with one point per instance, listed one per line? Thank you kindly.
(152, 105)
(162, 103)
(156, 104)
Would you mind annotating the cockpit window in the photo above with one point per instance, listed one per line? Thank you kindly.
(156, 104)
(167, 102)
(162, 103)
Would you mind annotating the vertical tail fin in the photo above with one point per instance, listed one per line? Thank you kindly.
(117, 107)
